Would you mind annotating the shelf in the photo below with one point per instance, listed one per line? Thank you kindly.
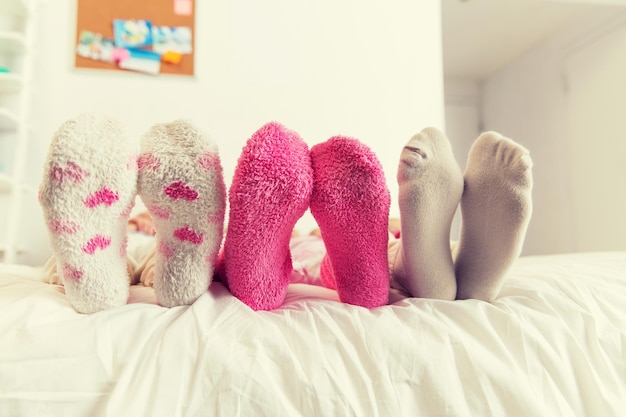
(12, 43)
(10, 83)
(6, 183)
(8, 120)
(17, 26)
(3, 249)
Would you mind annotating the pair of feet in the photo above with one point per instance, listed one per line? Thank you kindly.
(276, 180)
(91, 178)
(494, 194)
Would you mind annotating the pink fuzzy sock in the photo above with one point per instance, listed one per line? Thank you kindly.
(350, 202)
(327, 274)
(180, 181)
(87, 192)
(270, 191)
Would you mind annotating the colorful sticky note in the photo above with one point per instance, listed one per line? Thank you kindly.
(183, 7)
(132, 33)
(171, 57)
(170, 38)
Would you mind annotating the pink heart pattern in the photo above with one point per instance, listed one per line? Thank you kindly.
(72, 173)
(148, 161)
(185, 234)
(105, 196)
(124, 247)
(216, 217)
(209, 161)
(180, 191)
(71, 273)
(95, 243)
(58, 227)
(159, 212)
(165, 250)
(126, 212)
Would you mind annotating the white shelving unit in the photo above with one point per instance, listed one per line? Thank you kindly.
(10, 83)
(17, 26)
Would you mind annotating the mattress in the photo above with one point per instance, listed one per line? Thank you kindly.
(552, 344)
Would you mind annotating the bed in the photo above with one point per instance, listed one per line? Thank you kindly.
(553, 344)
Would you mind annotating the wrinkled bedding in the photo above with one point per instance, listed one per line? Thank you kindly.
(553, 344)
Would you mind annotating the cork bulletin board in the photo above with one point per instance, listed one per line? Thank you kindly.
(97, 35)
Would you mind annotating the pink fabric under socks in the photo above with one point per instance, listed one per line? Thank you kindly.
(181, 183)
(350, 202)
(270, 191)
(87, 193)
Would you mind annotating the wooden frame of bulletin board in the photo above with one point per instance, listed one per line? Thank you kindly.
(97, 16)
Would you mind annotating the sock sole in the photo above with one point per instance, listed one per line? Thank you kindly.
(87, 192)
(181, 183)
(350, 203)
(270, 191)
(430, 188)
(496, 208)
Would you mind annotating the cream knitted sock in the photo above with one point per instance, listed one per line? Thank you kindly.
(87, 192)
(181, 182)
(496, 207)
(431, 185)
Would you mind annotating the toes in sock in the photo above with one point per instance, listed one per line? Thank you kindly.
(270, 191)
(181, 182)
(350, 203)
(430, 185)
(87, 192)
(496, 208)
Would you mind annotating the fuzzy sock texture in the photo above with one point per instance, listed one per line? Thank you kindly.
(431, 185)
(182, 185)
(87, 193)
(327, 274)
(270, 191)
(350, 203)
(496, 208)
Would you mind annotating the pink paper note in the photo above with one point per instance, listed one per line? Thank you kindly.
(183, 7)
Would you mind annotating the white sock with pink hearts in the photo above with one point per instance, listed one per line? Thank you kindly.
(87, 193)
(181, 183)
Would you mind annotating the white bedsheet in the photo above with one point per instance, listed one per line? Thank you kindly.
(553, 344)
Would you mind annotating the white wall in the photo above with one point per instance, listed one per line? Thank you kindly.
(366, 69)
(463, 125)
(596, 74)
(564, 100)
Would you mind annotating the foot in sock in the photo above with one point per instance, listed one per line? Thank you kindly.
(496, 208)
(181, 182)
(87, 192)
(350, 203)
(270, 191)
(430, 188)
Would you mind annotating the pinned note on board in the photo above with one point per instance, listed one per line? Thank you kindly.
(128, 35)
(183, 7)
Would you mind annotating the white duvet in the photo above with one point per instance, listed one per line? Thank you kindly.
(553, 344)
